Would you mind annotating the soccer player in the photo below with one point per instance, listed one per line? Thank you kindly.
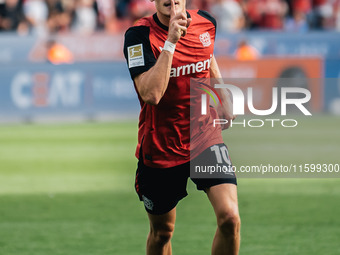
(163, 52)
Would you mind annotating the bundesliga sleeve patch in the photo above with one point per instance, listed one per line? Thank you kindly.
(135, 55)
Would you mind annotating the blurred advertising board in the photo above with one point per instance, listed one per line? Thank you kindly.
(45, 91)
(264, 74)
(104, 90)
(270, 43)
(332, 86)
(96, 47)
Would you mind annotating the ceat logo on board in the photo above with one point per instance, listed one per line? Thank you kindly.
(46, 90)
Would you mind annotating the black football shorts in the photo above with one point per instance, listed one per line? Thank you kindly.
(162, 188)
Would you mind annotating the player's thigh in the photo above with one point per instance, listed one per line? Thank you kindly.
(163, 223)
(223, 198)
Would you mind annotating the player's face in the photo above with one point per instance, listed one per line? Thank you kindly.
(164, 6)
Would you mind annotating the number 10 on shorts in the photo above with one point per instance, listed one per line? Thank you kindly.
(221, 153)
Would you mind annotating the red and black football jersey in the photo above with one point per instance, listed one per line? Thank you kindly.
(164, 129)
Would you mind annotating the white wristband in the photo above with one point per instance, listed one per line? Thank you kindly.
(169, 47)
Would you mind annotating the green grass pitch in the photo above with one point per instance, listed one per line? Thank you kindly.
(68, 189)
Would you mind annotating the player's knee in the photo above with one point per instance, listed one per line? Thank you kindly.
(229, 223)
(162, 235)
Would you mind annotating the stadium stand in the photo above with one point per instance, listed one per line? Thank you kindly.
(87, 16)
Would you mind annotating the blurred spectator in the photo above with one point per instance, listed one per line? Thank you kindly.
(337, 15)
(107, 15)
(297, 23)
(141, 8)
(229, 15)
(114, 16)
(85, 17)
(246, 52)
(304, 6)
(12, 17)
(59, 19)
(122, 8)
(36, 12)
(199, 4)
(323, 14)
(266, 14)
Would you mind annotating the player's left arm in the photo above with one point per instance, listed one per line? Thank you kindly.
(225, 111)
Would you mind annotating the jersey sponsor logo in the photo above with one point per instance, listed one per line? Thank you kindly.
(190, 68)
(135, 55)
(205, 39)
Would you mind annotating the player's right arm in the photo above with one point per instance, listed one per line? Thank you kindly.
(152, 84)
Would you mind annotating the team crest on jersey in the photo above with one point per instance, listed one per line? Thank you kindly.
(147, 202)
(205, 39)
(136, 56)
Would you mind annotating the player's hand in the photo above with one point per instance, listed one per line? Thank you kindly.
(179, 22)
